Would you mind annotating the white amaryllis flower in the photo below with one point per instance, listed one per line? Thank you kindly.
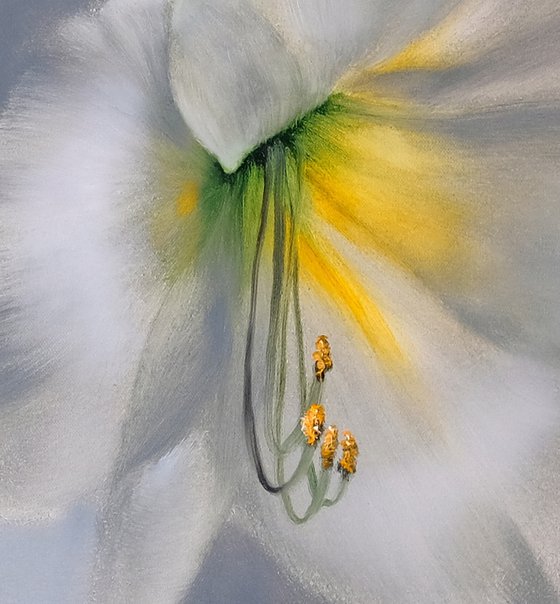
(192, 193)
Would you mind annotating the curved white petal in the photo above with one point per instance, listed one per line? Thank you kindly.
(429, 520)
(481, 57)
(233, 78)
(540, 497)
(170, 488)
(423, 517)
(108, 372)
(329, 36)
(80, 281)
(157, 536)
(243, 71)
(239, 570)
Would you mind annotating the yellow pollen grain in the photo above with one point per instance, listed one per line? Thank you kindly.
(329, 447)
(312, 423)
(350, 452)
(322, 357)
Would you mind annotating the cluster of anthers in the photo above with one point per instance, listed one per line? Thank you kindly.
(313, 422)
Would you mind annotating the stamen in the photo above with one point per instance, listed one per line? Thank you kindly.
(322, 357)
(329, 447)
(350, 452)
(281, 197)
(312, 423)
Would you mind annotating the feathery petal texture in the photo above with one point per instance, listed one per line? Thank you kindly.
(191, 192)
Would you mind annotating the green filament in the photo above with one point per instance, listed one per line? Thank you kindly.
(280, 200)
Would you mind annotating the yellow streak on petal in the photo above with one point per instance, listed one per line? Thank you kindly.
(443, 47)
(175, 229)
(320, 263)
(382, 189)
(186, 202)
(325, 269)
(465, 34)
(428, 52)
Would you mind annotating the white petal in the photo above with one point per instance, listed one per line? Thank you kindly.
(233, 78)
(512, 193)
(328, 36)
(101, 380)
(80, 282)
(161, 531)
(239, 570)
(540, 496)
(483, 55)
(171, 486)
(498, 109)
(422, 517)
(243, 71)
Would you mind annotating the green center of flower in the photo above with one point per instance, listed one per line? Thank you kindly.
(293, 138)
(277, 163)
